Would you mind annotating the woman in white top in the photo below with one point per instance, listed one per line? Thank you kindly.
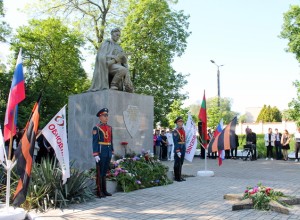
(269, 143)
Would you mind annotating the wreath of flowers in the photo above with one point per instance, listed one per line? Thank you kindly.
(138, 172)
(262, 195)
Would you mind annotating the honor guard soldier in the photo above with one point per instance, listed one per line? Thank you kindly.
(102, 151)
(179, 148)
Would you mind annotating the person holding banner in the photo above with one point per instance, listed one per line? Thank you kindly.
(179, 148)
(102, 151)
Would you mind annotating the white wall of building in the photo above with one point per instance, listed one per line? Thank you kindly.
(262, 128)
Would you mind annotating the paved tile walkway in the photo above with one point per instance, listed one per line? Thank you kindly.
(196, 198)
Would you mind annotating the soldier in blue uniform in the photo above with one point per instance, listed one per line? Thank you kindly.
(102, 151)
(179, 148)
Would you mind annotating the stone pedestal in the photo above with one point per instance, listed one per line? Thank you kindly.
(12, 213)
(205, 173)
(130, 115)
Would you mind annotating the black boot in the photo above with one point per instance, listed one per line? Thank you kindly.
(104, 187)
(180, 177)
(99, 186)
(176, 174)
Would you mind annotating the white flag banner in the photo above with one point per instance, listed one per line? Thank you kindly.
(56, 134)
(2, 148)
(190, 138)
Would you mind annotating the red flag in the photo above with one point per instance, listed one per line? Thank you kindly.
(16, 95)
(203, 118)
(221, 157)
(225, 140)
(24, 154)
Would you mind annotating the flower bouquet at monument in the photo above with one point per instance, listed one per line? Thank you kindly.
(138, 172)
(261, 196)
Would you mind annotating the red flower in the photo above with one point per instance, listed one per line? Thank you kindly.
(268, 190)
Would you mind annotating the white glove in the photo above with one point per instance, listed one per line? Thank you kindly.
(179, 154)
(97, 158)
(15, 145)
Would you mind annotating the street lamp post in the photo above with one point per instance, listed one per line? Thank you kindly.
(218, 78)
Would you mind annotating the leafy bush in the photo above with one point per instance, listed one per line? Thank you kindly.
(2, 183)
(46, 189)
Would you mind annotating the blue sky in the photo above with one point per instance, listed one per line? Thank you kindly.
(242, 35)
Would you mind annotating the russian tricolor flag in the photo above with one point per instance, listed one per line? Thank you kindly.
(218, 130)
(16, 95)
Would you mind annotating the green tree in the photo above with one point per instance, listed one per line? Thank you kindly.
(153, 35)
(52, 61)
(91, 18)
(175, 111)
(243, 118)
(294, 105)
(5, 82)
(290, 31)
(269, 114)
(5, 29)
(215, 113)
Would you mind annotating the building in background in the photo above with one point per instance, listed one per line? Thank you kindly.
(252, 114)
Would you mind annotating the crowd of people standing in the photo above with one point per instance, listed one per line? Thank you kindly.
(281, 143)
(42, 148)
(163, 144)
(277, 145)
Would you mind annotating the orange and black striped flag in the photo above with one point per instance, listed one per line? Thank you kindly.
(225, 140)
(24, 154)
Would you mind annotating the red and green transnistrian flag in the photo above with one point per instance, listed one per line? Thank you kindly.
(203, 118)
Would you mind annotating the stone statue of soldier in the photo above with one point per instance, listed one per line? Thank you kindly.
(111, 69)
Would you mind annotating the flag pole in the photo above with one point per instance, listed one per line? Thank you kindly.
(11, 134)
(205, 160)
(9, 166)
(9, 163)
(205, 172)
(202, 127)
(5, 154)
(205, 155)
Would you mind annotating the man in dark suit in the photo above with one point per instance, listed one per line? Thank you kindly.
(251, 140)
(233, 156)
(102, 151)
(278, 144)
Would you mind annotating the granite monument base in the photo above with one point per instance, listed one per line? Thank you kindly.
(130, 115)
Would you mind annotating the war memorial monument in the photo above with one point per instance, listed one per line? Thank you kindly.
(130, 114)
